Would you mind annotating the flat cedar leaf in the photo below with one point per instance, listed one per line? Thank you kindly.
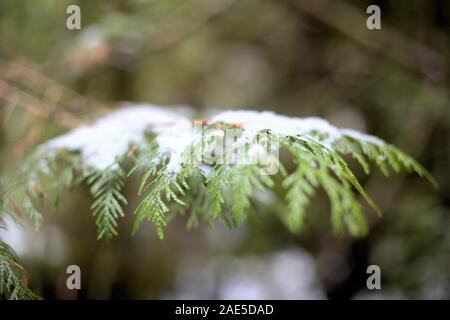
(211, 190)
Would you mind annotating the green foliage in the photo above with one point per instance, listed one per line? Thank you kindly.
(225, 191)
(322, 166)
(164, 187)
(105, 187)
(318, 165)
(39, 180)
(242, 181)
(12, 276)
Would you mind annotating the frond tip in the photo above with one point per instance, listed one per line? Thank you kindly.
(105, 187)
(12, 274)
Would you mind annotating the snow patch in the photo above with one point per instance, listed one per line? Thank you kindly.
(110, 137)
(255, 121)
(173, 141)
(361, 136)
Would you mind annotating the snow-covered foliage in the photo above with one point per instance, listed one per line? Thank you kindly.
(254, 122)
(183, 169)
(104, 142)
(108, 139)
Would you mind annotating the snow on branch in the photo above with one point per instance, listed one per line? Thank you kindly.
(191, 166)
(179, 161)
(110, 137)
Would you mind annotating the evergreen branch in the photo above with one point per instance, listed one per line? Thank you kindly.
(244, 182)
(12, 275)
(153, 207)
(320, 166)
(172, 181)
(106, 188)
(216, 182)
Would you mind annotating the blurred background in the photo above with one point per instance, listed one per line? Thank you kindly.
(299, 58)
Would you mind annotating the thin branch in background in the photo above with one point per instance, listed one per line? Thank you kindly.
(407, 52)
(28, 74)
(168, 37)
(36, 106)
(42, 99)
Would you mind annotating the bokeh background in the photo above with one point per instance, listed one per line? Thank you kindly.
(295, 57)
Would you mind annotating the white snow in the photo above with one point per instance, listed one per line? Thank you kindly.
(174, 141)
(111, 136)
(254, 122)
(361, 136)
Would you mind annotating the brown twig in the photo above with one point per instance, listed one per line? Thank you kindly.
(35, 106)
